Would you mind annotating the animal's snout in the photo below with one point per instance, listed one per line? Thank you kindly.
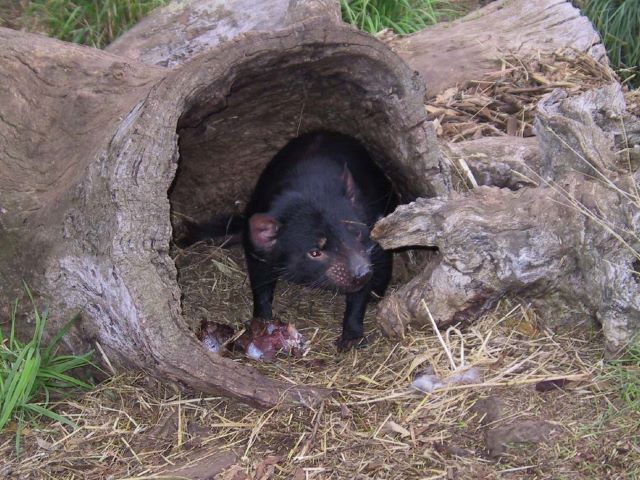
(361, 270)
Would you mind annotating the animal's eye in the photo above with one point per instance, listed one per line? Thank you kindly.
(315, 253)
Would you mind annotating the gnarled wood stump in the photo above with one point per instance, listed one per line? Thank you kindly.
(569, 247)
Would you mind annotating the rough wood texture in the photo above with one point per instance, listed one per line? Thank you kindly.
(493, 161)
(472, 46)
(172, 35)
(460, 51)
(569, 247)
(506, 162)
(89, 152)
(96, 149)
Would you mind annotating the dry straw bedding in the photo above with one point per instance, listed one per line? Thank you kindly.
(374, 427)
(504, 102)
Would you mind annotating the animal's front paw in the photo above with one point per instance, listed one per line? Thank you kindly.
(346, 344)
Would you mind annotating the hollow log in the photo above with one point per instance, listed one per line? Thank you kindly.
(97, 148)
(470, 47)
(85, 213)
(89, 150)
(570, 248)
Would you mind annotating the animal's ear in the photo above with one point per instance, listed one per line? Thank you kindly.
(263, 229)
(349, 185)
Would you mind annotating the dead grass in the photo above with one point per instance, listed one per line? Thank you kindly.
(504, 101)
(632, 99)
(375, 426)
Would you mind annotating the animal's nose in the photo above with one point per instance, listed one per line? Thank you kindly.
(362, 272)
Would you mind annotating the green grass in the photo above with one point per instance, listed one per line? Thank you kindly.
(402, 16)
(618, 22)
(90, 22)
(30, 373)
(626, 373)
(623, 377)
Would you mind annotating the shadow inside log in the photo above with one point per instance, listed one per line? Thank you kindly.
(226, 142)
(234, 121)
(223, 148)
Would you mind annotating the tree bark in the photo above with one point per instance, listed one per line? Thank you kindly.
(445, 55)
(170, 36)
(89, 149)
(505, 162)
(570, 248)
(97, 148)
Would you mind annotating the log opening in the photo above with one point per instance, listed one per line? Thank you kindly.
(222, 118)
(225, 142)
(226, 139)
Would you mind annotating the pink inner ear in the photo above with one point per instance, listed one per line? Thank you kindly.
(263, 228)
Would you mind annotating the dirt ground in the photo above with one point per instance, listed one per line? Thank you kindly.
(514, 423)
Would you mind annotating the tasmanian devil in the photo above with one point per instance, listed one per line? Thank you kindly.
(308, 222)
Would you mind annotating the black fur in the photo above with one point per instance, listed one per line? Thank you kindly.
(308, 222)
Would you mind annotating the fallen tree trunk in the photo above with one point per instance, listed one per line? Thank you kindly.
(445, 55)
(570, 248)
(470, 47)
(97, 148)
(88, 158)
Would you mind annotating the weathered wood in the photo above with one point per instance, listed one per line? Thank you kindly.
(172, 35)
(89, 153)
(570, 247)
(506, 162)
(85, 213)
(444, 54)
(470, 47)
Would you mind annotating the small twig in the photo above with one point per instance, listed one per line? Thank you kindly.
(304, 101)
(180, 433)
(459, 333)
(435, 329)
(105, 358)
(307, 445)
(467, 172)
(255, 431)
